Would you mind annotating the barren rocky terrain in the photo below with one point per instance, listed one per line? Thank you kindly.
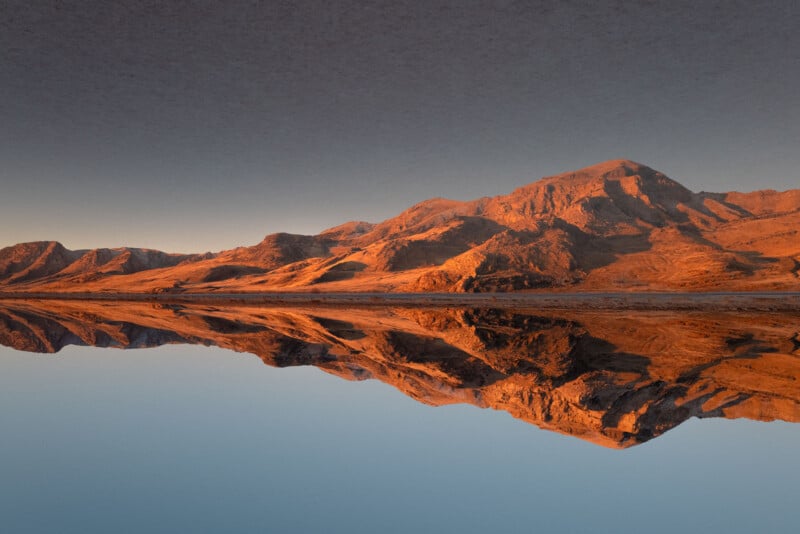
(615, 226)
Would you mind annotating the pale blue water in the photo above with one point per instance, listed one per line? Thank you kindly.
(195, 439)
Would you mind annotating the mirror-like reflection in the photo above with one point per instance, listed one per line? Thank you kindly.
(616, 379)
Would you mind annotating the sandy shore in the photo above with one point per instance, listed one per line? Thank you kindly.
(772, 301)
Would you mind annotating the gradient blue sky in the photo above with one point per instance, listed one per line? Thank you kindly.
(192, 126)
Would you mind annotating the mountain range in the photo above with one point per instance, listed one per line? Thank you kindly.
(617, 225)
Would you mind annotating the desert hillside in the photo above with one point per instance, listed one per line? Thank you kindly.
(618, 226)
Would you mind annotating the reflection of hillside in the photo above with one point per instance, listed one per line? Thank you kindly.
(616, 379)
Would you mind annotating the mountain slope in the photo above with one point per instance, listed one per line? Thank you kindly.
(617, 225)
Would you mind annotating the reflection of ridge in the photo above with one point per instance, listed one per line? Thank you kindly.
(40, 333)
(615, 379)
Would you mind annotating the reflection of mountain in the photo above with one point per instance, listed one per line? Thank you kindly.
(616, 225)
(616, 379)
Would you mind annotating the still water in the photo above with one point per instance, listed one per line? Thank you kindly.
(395, 420)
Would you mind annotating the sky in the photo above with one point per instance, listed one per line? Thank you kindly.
(194, 126)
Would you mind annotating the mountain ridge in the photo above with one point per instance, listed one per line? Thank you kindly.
(617, 225)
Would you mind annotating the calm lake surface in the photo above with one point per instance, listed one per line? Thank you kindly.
(389, 420)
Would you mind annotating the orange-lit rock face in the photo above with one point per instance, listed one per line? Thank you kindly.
(616, 225)
(614, 378)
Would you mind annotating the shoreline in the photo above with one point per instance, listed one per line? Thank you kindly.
(712, 301)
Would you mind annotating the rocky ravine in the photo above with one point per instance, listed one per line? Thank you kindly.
(617, 225)
(613, 378)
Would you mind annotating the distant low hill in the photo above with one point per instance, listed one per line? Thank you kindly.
(618, 226)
